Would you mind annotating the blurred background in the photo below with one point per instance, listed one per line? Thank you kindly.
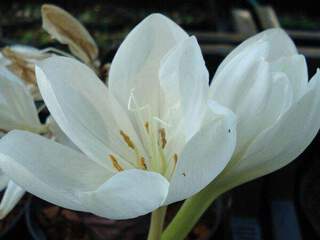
(284, 205)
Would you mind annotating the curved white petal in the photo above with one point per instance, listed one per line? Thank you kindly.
(136, 63)
(49, 170)
(244, 86)
(17, 109)
(184, 79)
(280, 99)
(83, 108)
(11, 197)
(231, 83)
(205, 155)
(295, 68)
(278, 42)
(58, 135)
(281, 143)
(127, 194)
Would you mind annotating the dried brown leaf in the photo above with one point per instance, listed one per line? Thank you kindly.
(19, 65)
(68, 30)
(22, 65)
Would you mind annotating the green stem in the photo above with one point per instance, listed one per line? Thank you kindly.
(190, 212)
(156, 224)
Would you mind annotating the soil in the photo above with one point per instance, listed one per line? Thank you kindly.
(7, 223)
(62, 224)
(58, 223)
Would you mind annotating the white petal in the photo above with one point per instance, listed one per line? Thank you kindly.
(128, 194)
(244, 86)
(4, 180)
(3, 60)
(278, 101)
(281, 143)
(58, 134)
(278, 42)
(25, 50)
(233, 80)
(205, 155)
(83, 108)
(17, 109)
(184, 77)
(11, 197)
(136, 63)
(295, 67)
(49, 170)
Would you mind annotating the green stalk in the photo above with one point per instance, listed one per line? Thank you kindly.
(156, 224)
(190, 213)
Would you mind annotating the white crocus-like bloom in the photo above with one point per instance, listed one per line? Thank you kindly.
(17, 111)
(265, 82)
(152, 138)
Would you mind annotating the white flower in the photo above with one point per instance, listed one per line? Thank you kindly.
(152, 138)
(265, 82)
(17, 111)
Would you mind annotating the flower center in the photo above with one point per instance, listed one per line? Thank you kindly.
(149, 150)
(155, 143)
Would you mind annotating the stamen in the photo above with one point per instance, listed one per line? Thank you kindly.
(115, 163)
(127, 139)
(163, 140)
(146, 126)
(172, 167)
(175, 159)
(142, 163)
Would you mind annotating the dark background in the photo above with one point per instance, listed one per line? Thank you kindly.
(283, 205)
